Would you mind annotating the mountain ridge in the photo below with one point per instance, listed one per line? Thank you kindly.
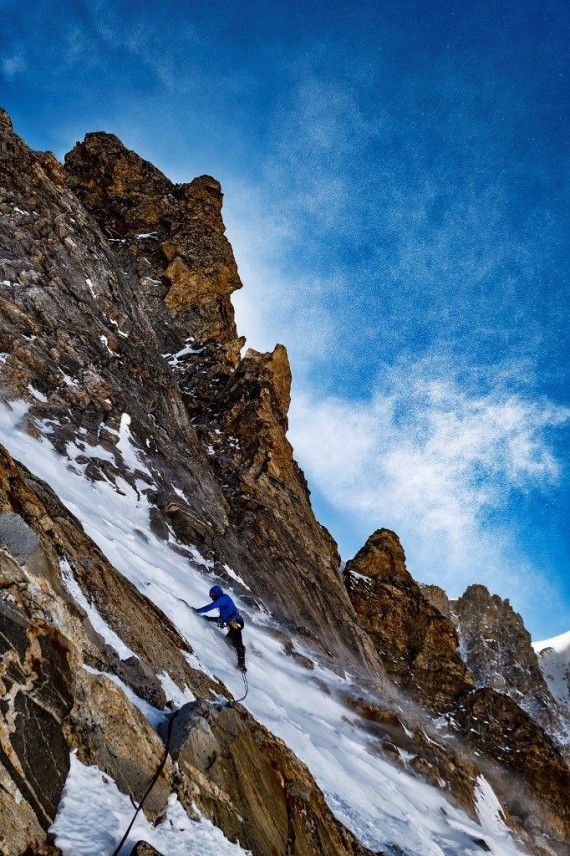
(123, 379)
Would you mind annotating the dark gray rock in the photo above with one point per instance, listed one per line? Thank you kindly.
(24, 545)
(15, 534)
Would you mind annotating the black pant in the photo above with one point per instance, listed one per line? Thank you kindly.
(234, 635)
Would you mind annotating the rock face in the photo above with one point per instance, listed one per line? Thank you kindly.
(179, 228)
(115, 299)
(248, 782)
(35, 684)
(418, 646)
(498, 650)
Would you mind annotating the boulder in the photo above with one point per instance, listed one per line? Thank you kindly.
(253, 787)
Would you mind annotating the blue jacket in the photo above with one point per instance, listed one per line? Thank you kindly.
(225, 604)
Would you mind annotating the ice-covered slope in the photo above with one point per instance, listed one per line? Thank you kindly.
(386, 806)
(554, 658)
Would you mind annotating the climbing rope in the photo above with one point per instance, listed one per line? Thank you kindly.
(244, 696)
(117, 849)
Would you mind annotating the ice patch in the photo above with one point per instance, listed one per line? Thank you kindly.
(173, 692)
(105, 342)
(231, 573)
(174, 359)
(489, 809)
(68, 381)
(126, 447)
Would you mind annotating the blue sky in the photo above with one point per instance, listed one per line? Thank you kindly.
(396, 192)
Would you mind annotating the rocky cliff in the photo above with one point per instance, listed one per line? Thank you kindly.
(421, 651)
(497, 648)
(417, 644)
(153, 461)
(115, 298)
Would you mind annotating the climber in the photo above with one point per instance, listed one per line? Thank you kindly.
(229, 617)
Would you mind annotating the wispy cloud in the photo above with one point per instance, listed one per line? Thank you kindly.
(446, 450)
(299, 202)
(439, 462)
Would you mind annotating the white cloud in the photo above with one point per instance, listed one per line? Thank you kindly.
(444, 458)
(437, 462)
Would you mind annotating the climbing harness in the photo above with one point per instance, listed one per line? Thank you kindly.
(117, 849)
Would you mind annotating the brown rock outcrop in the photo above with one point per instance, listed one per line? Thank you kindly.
(114, 735)
(252, 786)
(418, 646)
(178, 225)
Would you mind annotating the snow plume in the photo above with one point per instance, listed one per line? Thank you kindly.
(437, 461)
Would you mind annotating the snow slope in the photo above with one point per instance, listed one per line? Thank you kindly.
(385, 806)
(94, 815)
